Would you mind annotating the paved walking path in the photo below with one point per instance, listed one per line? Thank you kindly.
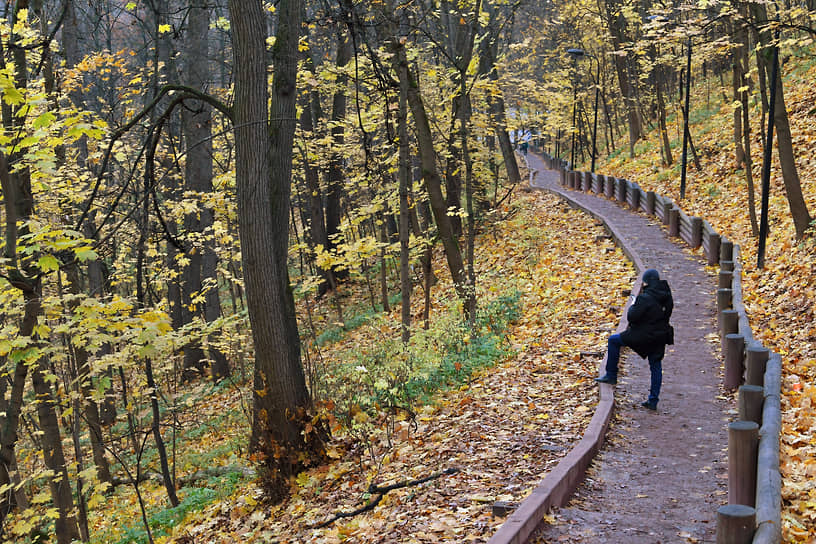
(660, 477)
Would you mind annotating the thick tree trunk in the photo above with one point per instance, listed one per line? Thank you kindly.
(23, 274)
(403, 174)
(12, 405)
(65, 525)
(787, 160)
(281, 402)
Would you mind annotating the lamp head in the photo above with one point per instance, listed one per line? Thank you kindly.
(576, 52)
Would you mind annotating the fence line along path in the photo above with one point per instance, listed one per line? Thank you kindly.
(660, 476)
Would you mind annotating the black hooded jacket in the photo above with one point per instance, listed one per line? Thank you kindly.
(649, 330)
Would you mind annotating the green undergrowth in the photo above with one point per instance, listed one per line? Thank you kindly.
(163, 520)
(335, 333)
(384, 378)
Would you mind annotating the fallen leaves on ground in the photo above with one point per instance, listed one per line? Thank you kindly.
(503, 431)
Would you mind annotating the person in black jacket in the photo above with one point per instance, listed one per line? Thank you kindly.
(648, 333)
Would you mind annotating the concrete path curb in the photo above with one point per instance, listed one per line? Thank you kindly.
(559, 484)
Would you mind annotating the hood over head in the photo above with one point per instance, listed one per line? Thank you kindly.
(651, 277)
(657, 288)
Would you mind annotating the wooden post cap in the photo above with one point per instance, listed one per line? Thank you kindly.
(729, 322)
(502, 509)
(725, 299)
(735, 524)
(674, 222)
(726, 250)
(725, 279)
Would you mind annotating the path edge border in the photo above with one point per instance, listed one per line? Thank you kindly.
(561, 482)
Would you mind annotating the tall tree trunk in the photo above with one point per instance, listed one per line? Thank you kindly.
(742, 122)
(281, 402)
(65, 525)
(403, 175)
(661, 117)
(141, 299)
(487, 66)
(787, 160)
(23, 275)
(314, 195)
(201, 272)
(335, 176)
(616, 24)
(433, 183)
(87, 406)
(90, 409)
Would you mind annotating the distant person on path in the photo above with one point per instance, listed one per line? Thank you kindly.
(648, 333)
(523, 146)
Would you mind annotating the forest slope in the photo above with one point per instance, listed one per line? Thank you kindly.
(491, 436)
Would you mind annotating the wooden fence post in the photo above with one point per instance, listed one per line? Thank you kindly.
(749, 404)
(756, 357)
(651, 197)
(729, 324)
(725, 299)
(609, 186)
(724, 280)
(621, 196)
(726, 250)
(635, 198)
(735, 524)
(727, 265)
(734, 346)
(674, 222)
(713, 248)
(667, 206)
(696, 232)
(743, 445)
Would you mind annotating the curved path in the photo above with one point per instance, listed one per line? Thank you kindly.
(660, 476)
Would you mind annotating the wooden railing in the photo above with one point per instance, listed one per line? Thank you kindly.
(753, 512)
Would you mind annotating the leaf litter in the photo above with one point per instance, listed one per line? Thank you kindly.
(497, 435)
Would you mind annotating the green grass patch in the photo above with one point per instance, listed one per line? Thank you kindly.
(162, 521)
(335, 333)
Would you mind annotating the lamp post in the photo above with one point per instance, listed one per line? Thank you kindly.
(577, 54)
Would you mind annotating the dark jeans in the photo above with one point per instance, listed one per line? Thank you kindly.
(614, 346)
